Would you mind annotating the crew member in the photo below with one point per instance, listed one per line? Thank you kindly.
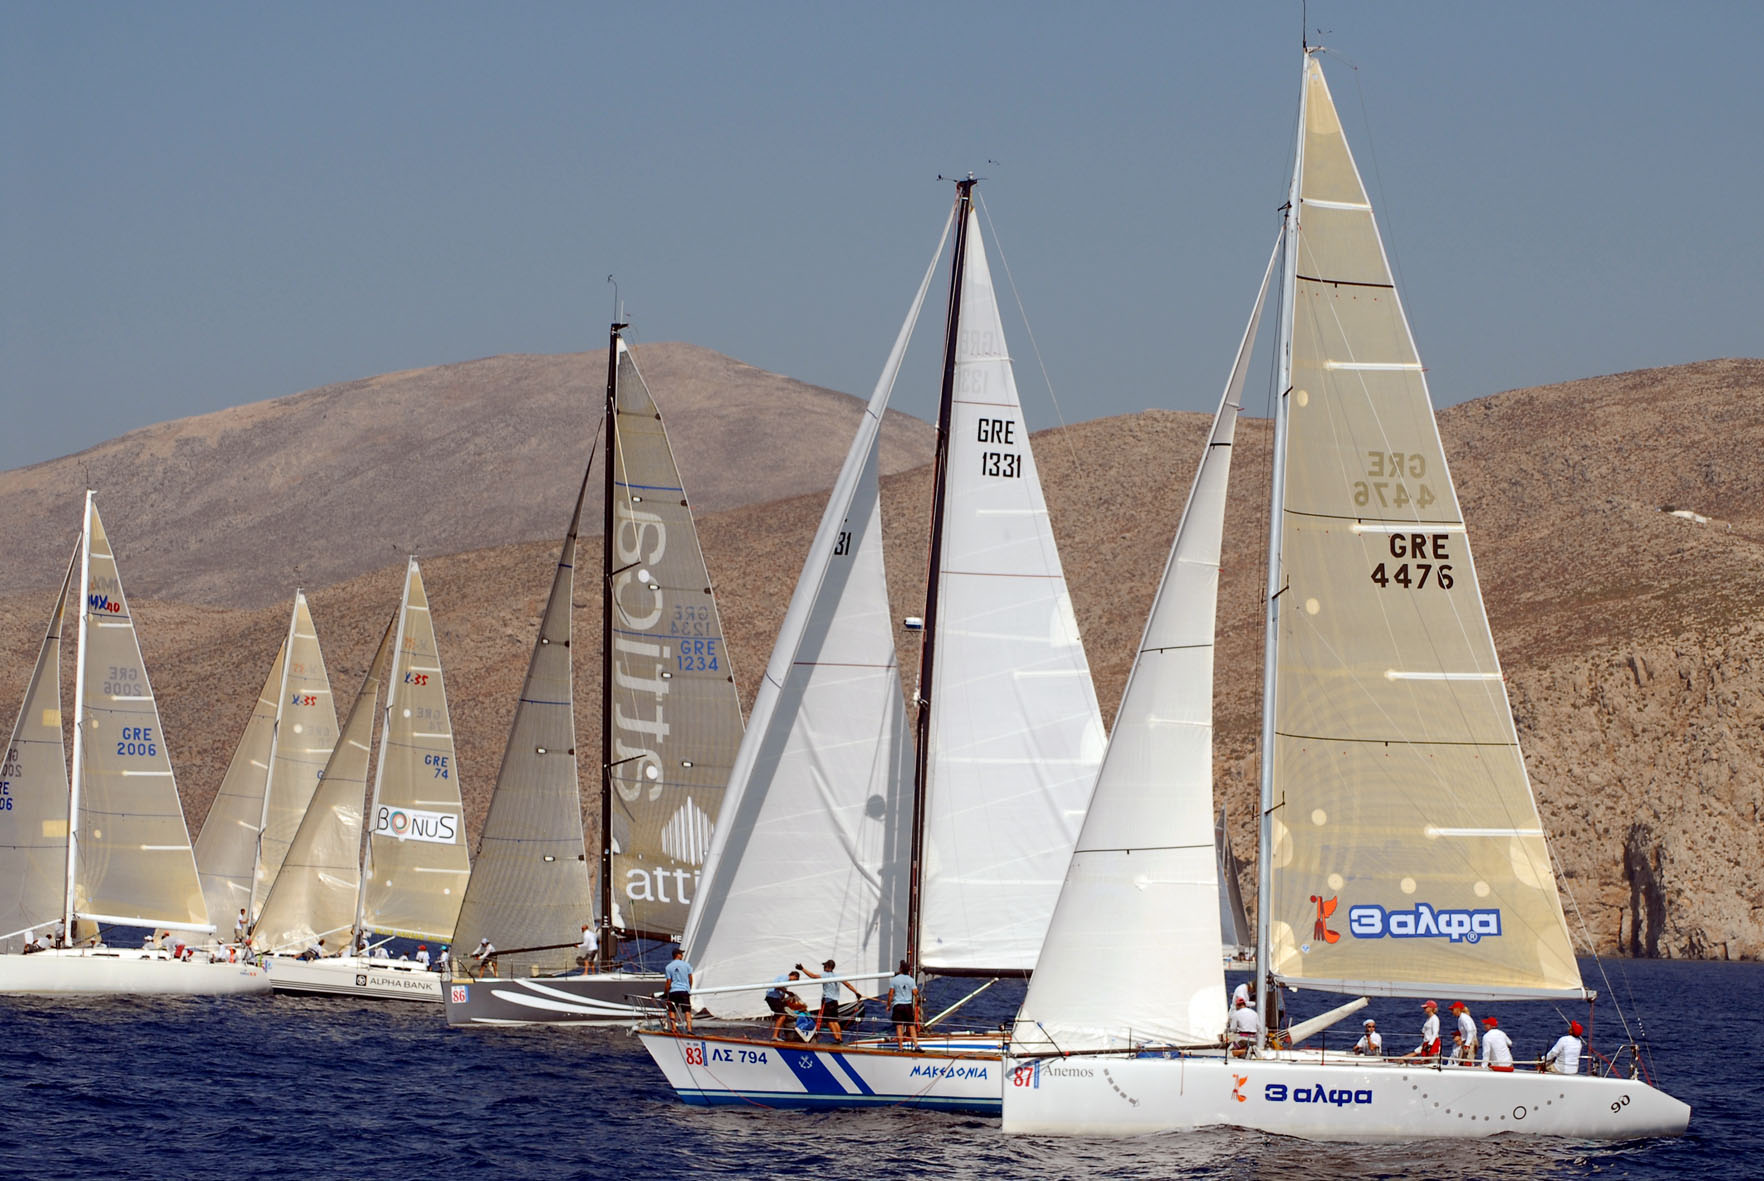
(1497, 1047)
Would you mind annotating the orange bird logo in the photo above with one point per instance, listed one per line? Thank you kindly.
(1237, 1087)
(1325, 908)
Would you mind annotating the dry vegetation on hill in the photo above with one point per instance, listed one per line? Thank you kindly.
(1630, 636)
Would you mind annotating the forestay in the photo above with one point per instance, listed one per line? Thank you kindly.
(1015, 733)
(529, 884)
(314, 897)
(417, 862)
(134, 861)
(33, 796)
(1407, 854)
(673, 713)
(1132, 952)
(809, 859)
(273, 774)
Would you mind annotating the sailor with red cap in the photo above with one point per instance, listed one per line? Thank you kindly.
(1429, 1047)
(1564, 1056)
(1497, 1047)
(1466, 1029)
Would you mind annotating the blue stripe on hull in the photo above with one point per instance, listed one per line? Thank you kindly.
(799, 1101)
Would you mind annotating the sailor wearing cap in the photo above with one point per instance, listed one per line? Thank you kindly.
(1370, 1044)
(1564, 1056)
(1497, 1047)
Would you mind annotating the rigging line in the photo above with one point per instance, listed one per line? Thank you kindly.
(1561, 875)
(1078, 470)
(1383, 203)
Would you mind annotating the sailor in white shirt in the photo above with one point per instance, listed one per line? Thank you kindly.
(1564, 1056)
(1371, 1044)
(587, 951)
(486, 957)
(422, 956)
(1245, 1029)
(1467, 1028)
(1497, 1047)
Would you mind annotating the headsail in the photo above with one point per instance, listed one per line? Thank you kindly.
(529, 884)
(673, 714)
(134, 863)
(1015, 735)
(33, 795)
(314, 897)
(809, 856)
(1236, 938)
(271, 778)
(1406, 850)
(1144, 874)
(416, 825)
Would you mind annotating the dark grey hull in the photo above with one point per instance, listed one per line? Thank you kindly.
(610, 998)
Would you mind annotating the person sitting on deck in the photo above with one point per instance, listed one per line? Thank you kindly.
(1428, 1050)
(32, 943)
(1244, 1029)
(315, 951)
(829, 1015)
(1370, 1044)
(783, 1002)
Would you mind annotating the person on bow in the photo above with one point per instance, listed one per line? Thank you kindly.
(485, 957)
(679, 999)
(588, 950)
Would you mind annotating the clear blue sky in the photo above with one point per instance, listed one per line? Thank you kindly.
(210, 204)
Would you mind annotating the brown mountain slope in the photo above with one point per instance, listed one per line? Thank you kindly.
(1634, 657)
(239, 506)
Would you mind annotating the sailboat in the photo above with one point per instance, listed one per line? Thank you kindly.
(670, 726)
(1400, 850)
(106, 846)
(843, 841)
(274, 771)
(411, 873)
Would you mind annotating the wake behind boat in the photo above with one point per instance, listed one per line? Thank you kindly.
(1401, 851)
(104, 846)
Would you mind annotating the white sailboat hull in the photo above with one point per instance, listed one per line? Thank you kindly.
(354, 976)
(1316, 1100)
(720, 1071)
(125, 972)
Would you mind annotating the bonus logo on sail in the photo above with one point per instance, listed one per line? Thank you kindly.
(411, 824)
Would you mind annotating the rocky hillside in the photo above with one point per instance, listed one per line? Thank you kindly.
(1617, 526)
(238, 507)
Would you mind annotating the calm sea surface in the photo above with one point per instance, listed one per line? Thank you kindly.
(264, 1087)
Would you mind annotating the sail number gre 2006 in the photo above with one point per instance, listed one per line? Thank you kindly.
(1425, 560)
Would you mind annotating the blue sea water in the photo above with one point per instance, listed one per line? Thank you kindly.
(257, 1087)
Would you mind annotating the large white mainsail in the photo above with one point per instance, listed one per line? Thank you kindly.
(274, 771)
(1144, 874)
(809, 858)
(315, 895)
(33, 795)
(132, 863)
(415, 874)
(1015, 735)
(1403, 847)
(529, 886)
(671, 712)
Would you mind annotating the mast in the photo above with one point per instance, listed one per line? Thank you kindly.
(921, 767)
(1277, 495)
(79, 724)
(609, 459)
(269, 772)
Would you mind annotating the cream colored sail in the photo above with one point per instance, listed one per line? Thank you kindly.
(417, 862)
(673, 712)
(133, 861)
(316, 892)
(529, 884)
(271, 778)
(1407, 853)
(33, 796)
(1015, 736)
